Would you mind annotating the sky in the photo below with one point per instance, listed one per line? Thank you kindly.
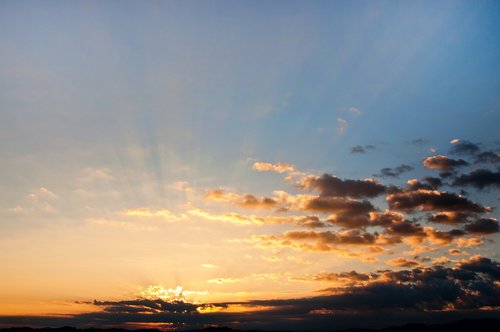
(254, 164)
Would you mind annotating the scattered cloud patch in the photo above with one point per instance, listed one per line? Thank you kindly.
(362, 149)
(395, 172)
(269, 167)
(341, 126)
(463, 147)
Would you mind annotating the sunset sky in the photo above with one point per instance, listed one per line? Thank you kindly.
(252, 164)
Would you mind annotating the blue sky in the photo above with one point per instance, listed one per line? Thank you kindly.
(117, 106)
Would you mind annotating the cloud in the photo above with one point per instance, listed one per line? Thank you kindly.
(240, 219)
(487, 157)
(222, 281)
(431, 200)
(483, 226)
(484, 265)
(394, 172)
(403, 262)
(329, 185)
(148, 213)
(450, 217)
(428, 183)
(245, 200)
(268, 167)
(331, 204)
(146, 306)
(362, 149)
(351, 277)
(443, 163)
(468, 288)
(341, 126)
(419, 142)
(405, 228)
(354, 110)
(463, 147)
(182, 186)
(479, 178)
(327, 241)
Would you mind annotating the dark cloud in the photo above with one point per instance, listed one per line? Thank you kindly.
(394, 172)
(433, 182)
(432, 200)
(146, 306)
(479, 178)
(329, 185)
(428, 183)
(487, 157)
(484, 265)
(405, 228)
(338, 205)
(483, 226)
(444, 237)
(362, 149)
(465, 147)
(350, 221)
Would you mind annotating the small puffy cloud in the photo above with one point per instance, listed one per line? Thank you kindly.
(208, 266)
(394, 172)
(244, 200)
(45, 193)
(269, 167)
(354, 110)
(329, 185)
(182, 186)
(479, 178)
(450, 217)
(362, 149)
(443, 163)
(427, 183)
(463, 242)
(403, 262)
(92, 174)
(438, 237)
(419, 142)
(341, 126)
(441, 260)
(332, 204)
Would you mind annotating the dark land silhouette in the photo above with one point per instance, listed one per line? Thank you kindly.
(469, 325)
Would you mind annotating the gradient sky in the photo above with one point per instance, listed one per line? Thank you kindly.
(287, 164)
